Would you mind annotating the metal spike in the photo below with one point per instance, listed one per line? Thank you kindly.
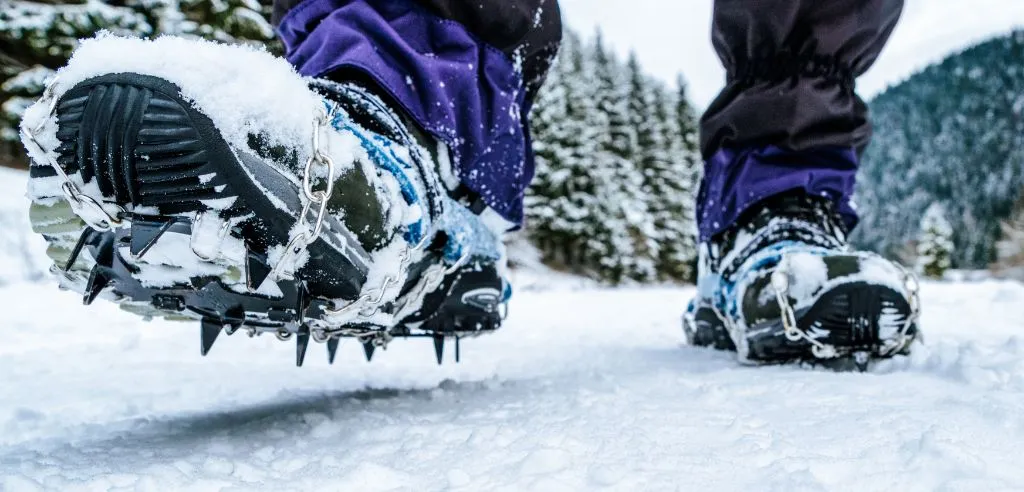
(332, 349)
(368, 348)
(235, 316)
(256, 270)
(145, 234)
(104, 252)
(439, 348)
(98, 280)
(301, 344)
(86, 237)
(209, 329)
(458, 355)
(302, 301)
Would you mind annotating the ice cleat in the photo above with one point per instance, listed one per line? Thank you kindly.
(226, 189)
(783, 286)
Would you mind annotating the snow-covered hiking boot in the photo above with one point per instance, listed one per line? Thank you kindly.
(783, 286)
(192, 180)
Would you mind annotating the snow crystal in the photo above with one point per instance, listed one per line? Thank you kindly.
(244, 90)
(529, 407)
(807, 273)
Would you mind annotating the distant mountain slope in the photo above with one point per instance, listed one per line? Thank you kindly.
(953, 134)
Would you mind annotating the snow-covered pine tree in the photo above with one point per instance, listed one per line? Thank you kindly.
(686, 148)
(688, 123)
(37, 37)
(648, 144)
(678, 175)
(551, 224)
(665, 164)
(565, 208)
(935, 243)
(628, 243)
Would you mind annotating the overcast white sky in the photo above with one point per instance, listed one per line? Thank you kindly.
(673, 36)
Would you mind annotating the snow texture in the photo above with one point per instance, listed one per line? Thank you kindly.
(22, 254)
(586, 388)
(244, 90)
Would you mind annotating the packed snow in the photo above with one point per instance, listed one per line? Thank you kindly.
(280, 98)
(586, 388)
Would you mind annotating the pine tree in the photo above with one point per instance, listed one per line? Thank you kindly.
(614, 189)
(38, 37)
(565, 205)
(549, 197)
(688, 122)
(665, 166)
(629, 246)
(679, 176)
(935, 243)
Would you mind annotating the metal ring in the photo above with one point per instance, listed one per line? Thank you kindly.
(290, 252)
(320, 336)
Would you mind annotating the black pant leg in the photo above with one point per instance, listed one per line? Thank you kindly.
(791, 68)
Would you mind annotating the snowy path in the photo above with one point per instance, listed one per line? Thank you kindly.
(584, 390)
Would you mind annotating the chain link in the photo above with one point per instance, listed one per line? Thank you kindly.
(88, 208)
(366, 306)
(780, 282)
(286, 266)
(913, 291)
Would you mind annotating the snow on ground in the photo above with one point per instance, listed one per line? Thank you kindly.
(585, 389)
(22, 254)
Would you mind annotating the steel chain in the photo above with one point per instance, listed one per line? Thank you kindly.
(913, 289)
(780, 282)
(367, 305)
(88, 208)
(286, 266)
(94, 213)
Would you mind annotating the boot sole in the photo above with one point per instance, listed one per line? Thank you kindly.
(856, 309)
(852, 314)
(147, 149)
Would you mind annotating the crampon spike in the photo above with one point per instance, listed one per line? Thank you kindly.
(86, 237)
(332, 349)
(301, 344)
(145, 234)
(368, 348)
(104, 251)
(256, 270)
(98, 280)
(209, 329)
(302, 302)
(439, 348)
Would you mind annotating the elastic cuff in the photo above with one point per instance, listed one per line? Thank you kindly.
(735, 180)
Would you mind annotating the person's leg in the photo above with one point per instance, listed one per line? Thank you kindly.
(212, 182)
(466, 71)
(781, 144)
(788, 117)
